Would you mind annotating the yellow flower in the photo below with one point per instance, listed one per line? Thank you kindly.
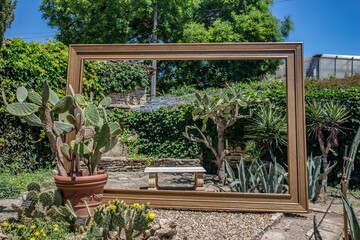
(151, 215)
(5, 224)
(21, 226)
(36, 233)
(32, 238)
(42, 230)
(33, 226)
(56, 229)
(112, 207)
(44, 234)
(56, 226)
(136, 205)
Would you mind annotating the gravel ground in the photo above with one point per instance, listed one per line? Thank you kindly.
(209, 225)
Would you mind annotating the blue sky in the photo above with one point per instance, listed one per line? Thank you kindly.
(325, 26)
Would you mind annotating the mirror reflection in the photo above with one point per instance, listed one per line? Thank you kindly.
(215, 126)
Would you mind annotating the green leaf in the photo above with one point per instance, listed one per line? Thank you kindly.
(21, 94)
(22, 109)
(35, 98)
(92, 114)
(105, 102)
(33, 120)
(63, 127)
(53, 98)
(63, 105)
(45, 92)
(80, 148)
(352, 218)
(102, 136)
(80, 100)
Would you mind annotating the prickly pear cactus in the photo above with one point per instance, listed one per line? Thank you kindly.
(33, 186)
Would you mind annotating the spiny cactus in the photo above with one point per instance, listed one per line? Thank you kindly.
(57, 198)
(42, 203)
(94, 135)
(46, 199)
(33, 196)
(33, 186)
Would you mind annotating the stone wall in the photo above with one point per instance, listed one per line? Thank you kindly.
(128, 164)
(128, 99)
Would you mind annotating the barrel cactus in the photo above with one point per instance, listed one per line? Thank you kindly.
(33, 186)
(94, 135)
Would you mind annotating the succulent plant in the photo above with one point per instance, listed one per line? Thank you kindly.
(46, 199)
(93, 134)
(224, 112)
(33, 186)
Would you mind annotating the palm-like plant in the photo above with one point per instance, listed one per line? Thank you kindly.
(326, 117)
(268, 128)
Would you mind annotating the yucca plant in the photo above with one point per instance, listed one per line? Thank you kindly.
(326, 117)
(268, 128)
(93, 134)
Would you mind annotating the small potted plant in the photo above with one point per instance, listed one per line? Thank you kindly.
(94, 135)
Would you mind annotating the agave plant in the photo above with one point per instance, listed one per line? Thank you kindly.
(271, 177)
(93, 134)
(315, 178)
(245, 181)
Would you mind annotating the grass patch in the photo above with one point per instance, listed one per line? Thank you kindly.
(11, 185)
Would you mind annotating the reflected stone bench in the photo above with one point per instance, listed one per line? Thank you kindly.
(153, 175)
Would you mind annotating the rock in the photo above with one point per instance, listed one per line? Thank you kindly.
(167, 229)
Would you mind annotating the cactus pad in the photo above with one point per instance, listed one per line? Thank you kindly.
(63, 105)
(21, 94)
(22, 109)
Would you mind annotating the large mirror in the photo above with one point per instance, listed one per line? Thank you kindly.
(213, 126)
(218, 123)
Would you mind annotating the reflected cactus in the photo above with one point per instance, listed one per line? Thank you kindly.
(94, 135)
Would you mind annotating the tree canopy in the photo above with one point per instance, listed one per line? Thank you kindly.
(7, 16)
(179, 21)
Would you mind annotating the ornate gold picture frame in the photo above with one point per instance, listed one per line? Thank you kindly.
(296, 200)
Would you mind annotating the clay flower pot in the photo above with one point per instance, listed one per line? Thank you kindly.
(76, 189)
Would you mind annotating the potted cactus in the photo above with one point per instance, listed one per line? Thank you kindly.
(94, 136)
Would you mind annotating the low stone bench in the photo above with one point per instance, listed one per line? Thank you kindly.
(153, 175)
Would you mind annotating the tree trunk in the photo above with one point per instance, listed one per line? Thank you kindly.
(220, 157)
(48, 125)
(154, 40)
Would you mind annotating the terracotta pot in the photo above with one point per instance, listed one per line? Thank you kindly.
(76, 189)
